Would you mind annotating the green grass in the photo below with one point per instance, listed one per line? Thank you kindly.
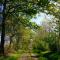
(12, 56)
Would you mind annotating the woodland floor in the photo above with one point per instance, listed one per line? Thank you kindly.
(27, 56)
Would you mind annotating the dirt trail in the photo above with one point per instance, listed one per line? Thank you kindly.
(27, 57)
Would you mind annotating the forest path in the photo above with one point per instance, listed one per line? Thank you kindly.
(27, 56)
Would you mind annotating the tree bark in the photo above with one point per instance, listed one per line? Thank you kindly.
(3, 29)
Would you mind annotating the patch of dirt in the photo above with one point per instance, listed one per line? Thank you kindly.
(27, 57)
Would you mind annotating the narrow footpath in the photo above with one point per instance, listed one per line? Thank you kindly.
(27, 56)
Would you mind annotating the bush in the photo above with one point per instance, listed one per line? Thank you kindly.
(42, 58)
(55, 56)
(52, 56)
(40, 46)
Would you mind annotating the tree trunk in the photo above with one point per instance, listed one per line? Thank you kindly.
(3, 29)
(11, 40)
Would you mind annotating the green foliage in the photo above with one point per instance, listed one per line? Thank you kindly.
(52, 55)
(8, 58)
(42, 58)
(51, 40)
(19, 27)
(39, 43)
(12, 56)
(40, 47)
(43, 3)
(55, 56)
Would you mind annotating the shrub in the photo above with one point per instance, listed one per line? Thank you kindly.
(40, 46)
(42, 58)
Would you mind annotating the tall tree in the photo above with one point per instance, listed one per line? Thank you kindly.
(3, 28)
